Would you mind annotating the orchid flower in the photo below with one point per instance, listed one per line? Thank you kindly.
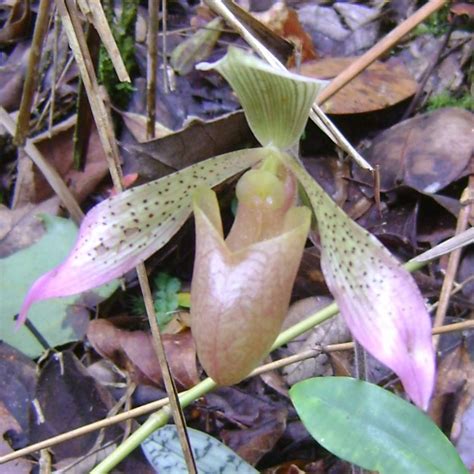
(377, 297)
(241, 286)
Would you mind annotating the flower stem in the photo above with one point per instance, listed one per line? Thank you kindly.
(158, 419)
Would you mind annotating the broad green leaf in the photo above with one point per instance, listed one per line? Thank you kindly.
(126, 229)
(373, 428)
(377, 297)
(164, 453)
(58, 321)
(276, 103)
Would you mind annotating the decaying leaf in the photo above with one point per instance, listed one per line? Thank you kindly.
(330, 332)
(426, 153)
(379, 86)
(133, 351)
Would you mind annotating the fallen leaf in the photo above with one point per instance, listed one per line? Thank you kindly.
(67, 398)
(22, 226)
(17, 390)
(284, 21)
(7, 425)
(137, 124)
(32, 187)
(330, 332)
(134, 352)
(379, 86)
(426, 153)
(264, 422)
(17, 23)
(196, 48)
(197, 141)
(12, 75)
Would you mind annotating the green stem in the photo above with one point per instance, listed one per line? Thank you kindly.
(158, 419)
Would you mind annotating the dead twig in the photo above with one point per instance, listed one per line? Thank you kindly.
(153, 406)
(31, 79)
(454, 257)
(49, 172)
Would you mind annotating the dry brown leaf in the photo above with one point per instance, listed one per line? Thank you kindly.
(31, 186)
(133, 351)
(285, 22)
(426, 153)
(16, 26)
(379, 86)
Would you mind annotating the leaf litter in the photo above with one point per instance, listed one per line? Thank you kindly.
(355, 29)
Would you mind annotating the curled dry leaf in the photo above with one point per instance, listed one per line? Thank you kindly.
(133, 351)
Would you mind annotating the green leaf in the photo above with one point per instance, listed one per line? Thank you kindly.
(369, 426)
(59, 321)
(276, 103)
(163, 451)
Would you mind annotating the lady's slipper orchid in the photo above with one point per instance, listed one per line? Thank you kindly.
(241, 286)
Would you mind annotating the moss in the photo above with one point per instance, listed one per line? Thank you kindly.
(123, 29)
(445, 99)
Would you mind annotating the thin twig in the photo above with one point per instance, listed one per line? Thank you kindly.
(378, 50)
(151, 65)
(94, 12)
(153, 406)
(31, 79)
(170, 386)
(70, 19)
(49, 172)
(164, 45)
(454, 258)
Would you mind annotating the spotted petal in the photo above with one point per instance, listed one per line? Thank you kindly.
(124, 230)
(377, 297)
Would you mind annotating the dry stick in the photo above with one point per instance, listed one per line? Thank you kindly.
(151, 65)
(153, 406)
(164, 44)
(49, 172)
(77, 42)
(454, 257)
(78, 45)
(29, 88)
(170, 386)
(379, 49)
(94, 12)
(316, 114)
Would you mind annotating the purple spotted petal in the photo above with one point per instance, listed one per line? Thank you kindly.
(377, 297)
(124, 230)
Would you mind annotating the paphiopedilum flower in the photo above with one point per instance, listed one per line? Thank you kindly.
(241, 286)
(378, 298)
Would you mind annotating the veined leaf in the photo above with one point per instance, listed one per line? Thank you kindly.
(126, 229)
(276, 103)
(369, 426)
(377, 297)
(164, 453)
